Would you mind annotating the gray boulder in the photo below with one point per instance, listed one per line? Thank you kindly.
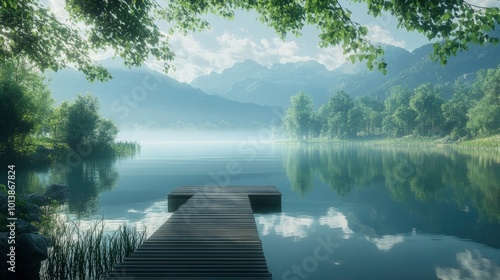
(29, 211)
(58, 192)
(32, 246)
(24, 227)
(37, 199)
(32, 212)
(32, 250)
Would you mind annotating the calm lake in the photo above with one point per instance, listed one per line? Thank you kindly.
(348, 211)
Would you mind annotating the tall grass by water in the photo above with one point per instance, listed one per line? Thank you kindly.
(87, 254)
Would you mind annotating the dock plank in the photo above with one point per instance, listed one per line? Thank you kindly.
(211, 235)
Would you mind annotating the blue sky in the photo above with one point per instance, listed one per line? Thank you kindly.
(246, 37)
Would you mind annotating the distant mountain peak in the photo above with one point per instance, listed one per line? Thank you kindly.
(298, 65)
(396, 57)
(113, 62)
(248, 62)
(246, 65)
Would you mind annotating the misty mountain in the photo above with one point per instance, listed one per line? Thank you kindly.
(141, 95)
(248, 81)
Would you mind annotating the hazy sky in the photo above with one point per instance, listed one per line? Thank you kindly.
(246, 37)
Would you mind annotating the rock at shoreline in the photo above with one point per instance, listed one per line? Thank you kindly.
(28, 211)
(24, 227)
(37, 199)
(58, 192)
(32, 248)
(33, 212)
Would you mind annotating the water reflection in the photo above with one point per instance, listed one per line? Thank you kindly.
(386, 242)
(149, 219)
(335, 219)
(425, 174)
(29, 179)
(383, 194)
(285, 225)
(379, 213)
(299, 169)
(86, 181)
(471, 266)
(299, 227)
(341, 168)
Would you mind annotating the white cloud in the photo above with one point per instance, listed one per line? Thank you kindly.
(331, 57)
(193, 58)
(386, 242)
(235, 48)
(485, 3)
(377, 34)
(265, 43)
(284, 48)
(472, 267)
(284, 225)
(335, 219)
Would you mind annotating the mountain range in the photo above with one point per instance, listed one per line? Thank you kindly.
(251, 93)
(249, 81)
(146, 97)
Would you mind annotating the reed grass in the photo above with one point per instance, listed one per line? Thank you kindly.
(492, 142)
(125, 148)
(91, 254)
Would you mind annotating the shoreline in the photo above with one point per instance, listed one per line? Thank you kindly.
(489, 143)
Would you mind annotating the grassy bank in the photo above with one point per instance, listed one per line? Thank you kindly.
(492, 142)
(45, 152)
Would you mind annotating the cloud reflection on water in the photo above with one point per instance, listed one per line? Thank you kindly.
(335, 219)
(386, 242)
(472, 266)
(286, 226)
(299, 227)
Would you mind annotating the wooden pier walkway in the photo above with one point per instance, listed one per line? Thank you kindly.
(211, 235)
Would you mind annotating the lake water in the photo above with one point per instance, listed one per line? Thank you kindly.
(348, 212)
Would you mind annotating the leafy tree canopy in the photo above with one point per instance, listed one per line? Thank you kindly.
(83, 126)
(298, 115)
(25, 105)
(129, 27)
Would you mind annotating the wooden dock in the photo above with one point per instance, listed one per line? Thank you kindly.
(211, 235)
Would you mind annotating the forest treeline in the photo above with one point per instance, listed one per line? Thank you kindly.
(31, 122)
(472, 111)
